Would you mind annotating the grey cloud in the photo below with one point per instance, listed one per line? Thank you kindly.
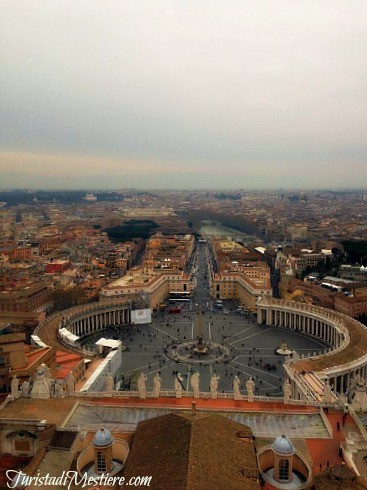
(228, 84)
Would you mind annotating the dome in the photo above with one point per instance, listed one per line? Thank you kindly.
(283, 446)
(102, 438)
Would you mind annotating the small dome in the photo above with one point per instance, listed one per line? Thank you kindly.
(283, 446)
(102, 438)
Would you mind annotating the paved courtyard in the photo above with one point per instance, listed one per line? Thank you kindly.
(250, 347)
(254, 351)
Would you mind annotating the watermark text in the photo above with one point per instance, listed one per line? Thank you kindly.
(68, 478)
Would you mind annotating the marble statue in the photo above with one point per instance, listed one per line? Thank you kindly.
(236, 388)
(41, 384)
(14, 385)
(157, 385)
(343, 400)
(52, 388)
(287, 390)
(295, 355)
(178, 386)
(328, 394)
(357, 383)
(47, 372)
(284, 345)
(195, 381)
(25, 388)
(214, 385)
(250, 387)
(59, 389)
(109, 385)
(70, 382)
(141, 386)
(359, 400)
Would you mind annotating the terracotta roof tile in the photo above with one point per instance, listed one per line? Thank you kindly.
(192, 451)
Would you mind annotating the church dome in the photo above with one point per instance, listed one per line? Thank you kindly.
(283, 446)
(102, 438)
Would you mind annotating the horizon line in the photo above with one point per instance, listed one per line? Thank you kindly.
(134, 188)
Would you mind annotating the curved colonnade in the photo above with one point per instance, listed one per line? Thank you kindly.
(347, 337)
(95, 317)
(66, 327)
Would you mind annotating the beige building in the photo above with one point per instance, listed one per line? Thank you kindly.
(162, 271)
(32, 296)
(154, 286)
(243, 284)
(170, 252)
(19, 359)
(242, 275)
(309, 260)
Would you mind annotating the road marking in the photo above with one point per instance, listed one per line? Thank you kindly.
(161, 368)
(262, 371)
(239, 333)
(249, 336)
(258, 354)
(139, 367)
(165, 333)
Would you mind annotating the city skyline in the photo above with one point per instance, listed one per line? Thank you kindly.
(183, 96)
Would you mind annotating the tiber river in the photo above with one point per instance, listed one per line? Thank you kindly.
(214, 228)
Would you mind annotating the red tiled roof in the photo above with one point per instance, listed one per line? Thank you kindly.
(32, 355)
(191, 452)
(62, 357)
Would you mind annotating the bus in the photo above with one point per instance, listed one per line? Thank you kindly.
(219, 304)
(175, 309)
(180, 296)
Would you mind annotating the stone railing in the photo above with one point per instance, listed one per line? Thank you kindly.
(206, 395)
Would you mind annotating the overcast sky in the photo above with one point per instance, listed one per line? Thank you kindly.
(183, 93)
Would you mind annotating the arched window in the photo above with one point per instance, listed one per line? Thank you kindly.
(101, 462)
(284, 470)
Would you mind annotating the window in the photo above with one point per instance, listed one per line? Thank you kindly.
(22, 446)
(101, 462)
(284, 470)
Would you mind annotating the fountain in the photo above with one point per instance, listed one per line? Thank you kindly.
(283, 349)
(200, 351)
